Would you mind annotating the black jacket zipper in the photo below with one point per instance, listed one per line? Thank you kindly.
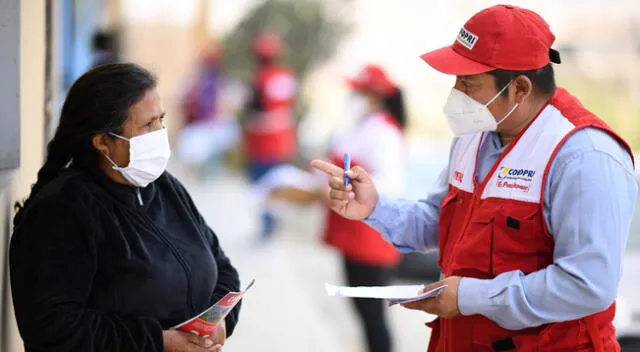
(173, 249)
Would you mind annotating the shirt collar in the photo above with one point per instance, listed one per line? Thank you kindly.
(493, 144)
(124, 194)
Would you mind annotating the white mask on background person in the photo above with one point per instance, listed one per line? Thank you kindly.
(148, 157)
(358, 106)
(465, 115)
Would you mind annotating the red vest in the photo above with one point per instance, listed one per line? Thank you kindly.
(498, 225)
(356, 240)
(270, 136)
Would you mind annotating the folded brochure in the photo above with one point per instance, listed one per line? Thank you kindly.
(393, 294)
(204, 324)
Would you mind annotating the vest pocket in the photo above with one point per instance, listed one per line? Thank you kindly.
(485, 340)
(488, 335)
(518, 241)
(471, 253)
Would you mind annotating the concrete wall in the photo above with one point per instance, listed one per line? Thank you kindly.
(31, 136)
(9, 146)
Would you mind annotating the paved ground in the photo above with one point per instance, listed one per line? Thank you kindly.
(287, 309)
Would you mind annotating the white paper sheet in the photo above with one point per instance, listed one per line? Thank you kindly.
(393, 294)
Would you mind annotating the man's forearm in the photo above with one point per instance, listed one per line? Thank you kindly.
(409, 225)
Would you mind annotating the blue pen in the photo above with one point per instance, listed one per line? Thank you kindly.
(347, 167)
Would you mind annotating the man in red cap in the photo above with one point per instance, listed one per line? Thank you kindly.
(268, 123)
(531, 215)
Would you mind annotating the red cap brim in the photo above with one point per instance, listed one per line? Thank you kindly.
(447, 61)
(355, 84)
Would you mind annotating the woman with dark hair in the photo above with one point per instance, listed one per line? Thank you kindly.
(376, 143)
(109, 251)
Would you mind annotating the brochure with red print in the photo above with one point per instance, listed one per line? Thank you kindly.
(204, 324)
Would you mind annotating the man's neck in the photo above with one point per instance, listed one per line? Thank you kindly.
(532, 112)
(505, 140)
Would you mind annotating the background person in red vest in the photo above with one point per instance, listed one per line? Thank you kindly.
(268, 123)
(376, 143)
(532, 214)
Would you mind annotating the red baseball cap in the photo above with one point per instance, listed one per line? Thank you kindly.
(267, 44)
(372, 78)
(499, 37)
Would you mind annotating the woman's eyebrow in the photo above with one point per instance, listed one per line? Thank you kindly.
(157, 117)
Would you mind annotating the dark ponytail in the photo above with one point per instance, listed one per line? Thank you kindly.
(394, 104)
(98, 102)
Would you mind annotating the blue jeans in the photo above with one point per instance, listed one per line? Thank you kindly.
(256, 171)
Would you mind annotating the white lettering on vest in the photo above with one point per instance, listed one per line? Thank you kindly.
(513, 185)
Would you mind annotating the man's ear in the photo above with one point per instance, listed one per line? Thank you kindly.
(101, 143)
(523, 88)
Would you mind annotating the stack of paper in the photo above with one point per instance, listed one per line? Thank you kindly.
(393, 294)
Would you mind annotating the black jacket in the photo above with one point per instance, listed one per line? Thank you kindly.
(93, 270)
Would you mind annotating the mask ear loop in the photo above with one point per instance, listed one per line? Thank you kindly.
(509, 113)
(115, 166)
(119, 136)
(496, 97)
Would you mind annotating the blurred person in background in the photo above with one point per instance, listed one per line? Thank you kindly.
(105, 47)
(376, 143)
(109, 251)
(531, 215)
(208, 132)
(268, 121)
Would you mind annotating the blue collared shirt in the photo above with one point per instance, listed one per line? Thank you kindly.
(589, 202)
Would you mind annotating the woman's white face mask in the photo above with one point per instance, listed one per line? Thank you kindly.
(465, 115)
(148, 157)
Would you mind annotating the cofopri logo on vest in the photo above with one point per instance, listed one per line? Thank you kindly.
(516, 174)
(513, 178)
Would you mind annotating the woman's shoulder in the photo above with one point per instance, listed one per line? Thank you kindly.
(70, 188)
(167, 183)
(62, 204)
(169, 187)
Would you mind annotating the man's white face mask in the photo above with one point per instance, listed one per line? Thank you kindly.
(466, 115)
(148, 157)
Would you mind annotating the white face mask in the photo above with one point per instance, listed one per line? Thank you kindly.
(358, 107)
(465, 115)
(148, 157)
